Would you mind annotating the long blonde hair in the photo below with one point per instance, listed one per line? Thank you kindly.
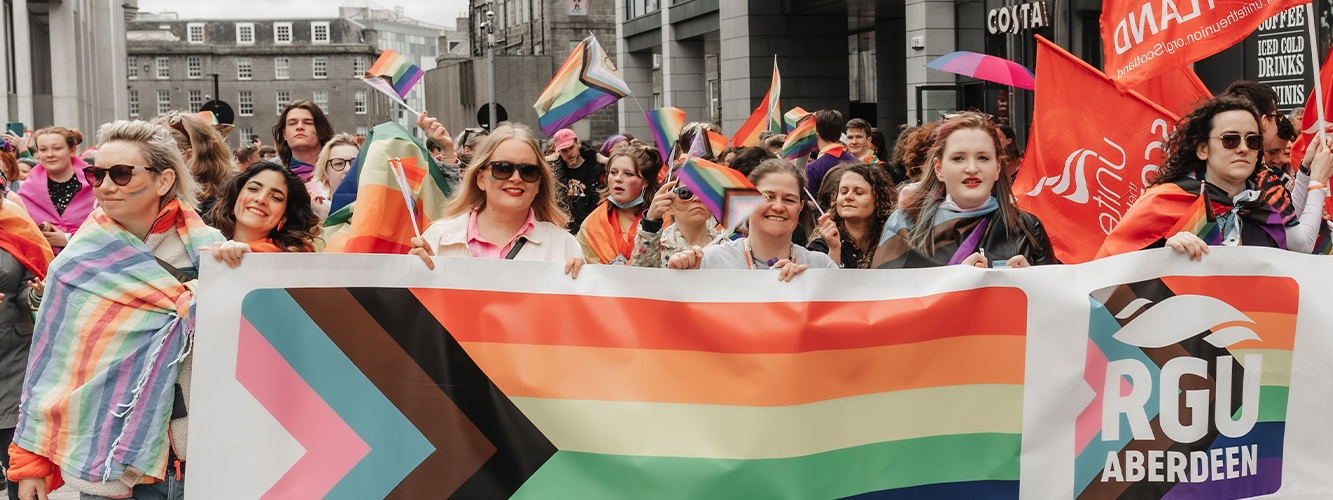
(322, 164)
(545, 206)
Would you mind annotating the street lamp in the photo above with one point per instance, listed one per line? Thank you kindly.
(490, 57)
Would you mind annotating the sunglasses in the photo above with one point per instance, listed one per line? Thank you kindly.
(120, 174)
(503, 171)
(338, 164)
(683, 192)
(1232, 141)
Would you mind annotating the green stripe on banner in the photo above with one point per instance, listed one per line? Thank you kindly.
(1273, 403)
(833, 474)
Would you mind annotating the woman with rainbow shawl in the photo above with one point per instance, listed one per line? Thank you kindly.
(104, 402)
(1214, 153)
(962, 211)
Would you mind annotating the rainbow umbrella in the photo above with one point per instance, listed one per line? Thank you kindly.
(985, 67)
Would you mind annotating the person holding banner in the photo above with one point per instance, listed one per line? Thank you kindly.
(607, 235)
(849, 233)
(962, 212)
(1214, 153)
(267, 208)
(106, 397)
(769, 243)
(507, 208)
(692, 226)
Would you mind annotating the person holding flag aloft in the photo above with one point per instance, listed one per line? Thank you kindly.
(1205, 194)
(607, 234)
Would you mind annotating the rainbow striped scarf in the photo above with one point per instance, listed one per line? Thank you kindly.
(106, 348)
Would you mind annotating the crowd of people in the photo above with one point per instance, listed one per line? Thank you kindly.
(104, 246)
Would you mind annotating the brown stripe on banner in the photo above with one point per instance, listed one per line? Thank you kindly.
(460, 448)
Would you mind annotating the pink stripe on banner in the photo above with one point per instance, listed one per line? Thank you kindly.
(1090, 420)
(332, 449)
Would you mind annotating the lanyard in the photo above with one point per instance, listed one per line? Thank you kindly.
(750, 258)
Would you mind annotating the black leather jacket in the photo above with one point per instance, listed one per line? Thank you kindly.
(1033, 243)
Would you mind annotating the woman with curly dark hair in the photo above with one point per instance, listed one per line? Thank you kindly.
(268, 208)
(849, 232)
(1214, 152)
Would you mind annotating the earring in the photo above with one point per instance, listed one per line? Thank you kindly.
(280, 223)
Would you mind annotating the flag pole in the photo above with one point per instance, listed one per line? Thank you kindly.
(1314, 59)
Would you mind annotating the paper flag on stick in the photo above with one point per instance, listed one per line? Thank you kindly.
(665, 124)
(793, 117)
(738, 204)
(385, 88)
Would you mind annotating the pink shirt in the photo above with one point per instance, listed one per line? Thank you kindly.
(482, 249)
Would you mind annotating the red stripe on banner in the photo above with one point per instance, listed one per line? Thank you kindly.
(732, 327)
(1272, 294)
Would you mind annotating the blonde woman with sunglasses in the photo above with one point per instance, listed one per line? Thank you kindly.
(506, 208)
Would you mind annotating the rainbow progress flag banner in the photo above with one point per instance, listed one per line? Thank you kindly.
(665, 124)
(397, 71)
(768, 116)
(711, 182)
(1139, 376)
(793, 117)
(587, 82)
(801, 141)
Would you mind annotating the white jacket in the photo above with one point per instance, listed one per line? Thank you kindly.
(547, 242)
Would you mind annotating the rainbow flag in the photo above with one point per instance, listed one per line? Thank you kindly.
(397, 70)
(716, 142)
(1323, 244)
(699, 145)
(768, 116)
(587, 82)
(793, 117)
(1200, 219)
(711, 182)
(665, 124)
(802, 140)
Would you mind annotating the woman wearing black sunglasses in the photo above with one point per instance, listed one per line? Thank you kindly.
(1214, 151)
(506, 208)
(692, 225)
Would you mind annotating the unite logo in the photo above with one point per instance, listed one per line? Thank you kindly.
(1190, 376)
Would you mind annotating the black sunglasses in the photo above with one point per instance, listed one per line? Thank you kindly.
(120, 174)
(1232, 141)
(683, 192)
(503, 171)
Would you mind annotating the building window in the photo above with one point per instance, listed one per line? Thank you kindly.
(163, 68)
(359, 105)
(282, 68)
(244, 68)
(247, 135)
(362, 130)
(196, 100)
(133, 73)
(245, 103)
(194, 66)
(245, 33)
(195, 32)
(284, 97)
(134, 103)
(319, 32)
(322, 100)
(282, 32)
(163, 102)
(359, 67)
(321, 66)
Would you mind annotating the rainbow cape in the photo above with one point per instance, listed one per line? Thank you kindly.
(368, 212)
(665, 124)
(712, 183)
(106, 347)
(397, 70)
(801, 141)
(768, 116)
(587, 82)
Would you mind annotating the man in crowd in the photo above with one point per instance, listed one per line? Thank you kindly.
(858, 140)
(580, 176)
(300, 134)
(828, 129)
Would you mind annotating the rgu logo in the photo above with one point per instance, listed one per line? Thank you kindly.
(1179, 377)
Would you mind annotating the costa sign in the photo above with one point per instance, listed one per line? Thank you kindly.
(1014, 18)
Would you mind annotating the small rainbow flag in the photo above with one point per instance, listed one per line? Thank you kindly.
(716, 143)
(768, 116)
(1323, 244)
(711, 182)
(802, 140)
(665, 123)
(396, 69)
(587, 82)
(793, 117)
(699, 145)
(1200, 219)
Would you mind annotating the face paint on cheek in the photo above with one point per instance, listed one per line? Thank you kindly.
(141, 191)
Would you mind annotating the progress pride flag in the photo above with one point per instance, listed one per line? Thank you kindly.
(1144, 38)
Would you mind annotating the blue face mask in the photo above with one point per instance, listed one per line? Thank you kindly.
(631, 204)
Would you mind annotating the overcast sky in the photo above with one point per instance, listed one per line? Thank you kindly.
(440, 12)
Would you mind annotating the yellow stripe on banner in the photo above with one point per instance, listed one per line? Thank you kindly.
(748, 432)
(1277, 365)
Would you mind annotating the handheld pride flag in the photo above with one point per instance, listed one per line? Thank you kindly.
(802, 140)
(394, 75)
(665, 124)
(768, 116)
(716, 143)
(1200, 220)
(713, 184)
(793, 117)
(587, 82)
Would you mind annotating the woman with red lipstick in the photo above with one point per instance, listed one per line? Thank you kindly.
(1215, 151)
(506, 208)
(768, 245)
(849, 232)
(962, 212)
(607, 235)
(267, 208)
